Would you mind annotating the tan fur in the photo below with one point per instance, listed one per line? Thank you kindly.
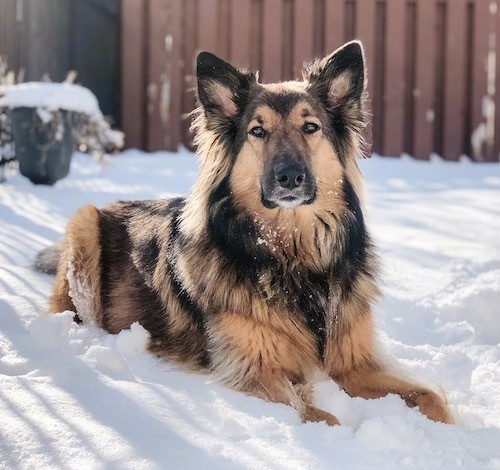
(275, 343)
(350, 348)
(79, 267)
(60, 300)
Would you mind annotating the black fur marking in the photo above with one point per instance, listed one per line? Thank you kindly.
(115, 258)
(186, 302)
(234, 233)
(355, 244)
(312, 302)
(282, 103)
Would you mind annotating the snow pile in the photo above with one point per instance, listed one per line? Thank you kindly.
(73, 396)
(90, 131)
(50, 97)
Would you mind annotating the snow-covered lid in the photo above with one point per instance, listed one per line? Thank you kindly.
(50, 96)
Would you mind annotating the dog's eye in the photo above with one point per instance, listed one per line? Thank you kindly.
(257, 131)
(310, 127)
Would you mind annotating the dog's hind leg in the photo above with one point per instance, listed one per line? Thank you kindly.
(60, 301)
(78, 278)
(350, 361)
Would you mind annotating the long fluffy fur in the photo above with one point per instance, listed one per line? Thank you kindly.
(263, 298)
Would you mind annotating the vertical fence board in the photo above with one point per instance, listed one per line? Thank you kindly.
(496, 147)
(207, 26)
(240, 33)
(189, 44)
(272, 40)
(479, 92)
(223, 28)
(8, 37)
(156, 53)
(454, 89)
(132, 72)
(394, 78)
(303, 38)
(365, 27)
(335, 24)
(350, 14)
(173, 80)
(378, 78)
(424, 79)
(165, 83)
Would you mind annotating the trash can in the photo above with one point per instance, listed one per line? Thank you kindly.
(44, 143)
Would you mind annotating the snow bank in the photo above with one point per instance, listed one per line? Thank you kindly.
(73, 396)
(50, 97)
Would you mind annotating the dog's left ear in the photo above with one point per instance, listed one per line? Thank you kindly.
(339, 79)
(222, 89)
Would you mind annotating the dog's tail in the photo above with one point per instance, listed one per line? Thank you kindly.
(47, 260)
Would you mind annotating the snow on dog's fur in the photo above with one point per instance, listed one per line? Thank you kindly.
(265, 274)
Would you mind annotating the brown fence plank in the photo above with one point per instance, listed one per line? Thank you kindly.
(365, 27)
(273, 41)
(303, 38)
(394, 78)
(335, 24)
(425, 79)
(189, 45)
(163, 88)
(496, 147)
(8, 41)
(240, 32)
(156, 19)
(454, 89)
(319, 11)
(132, 72)
(173, 86)
(378, 79)
(207, 26)
(479, 92)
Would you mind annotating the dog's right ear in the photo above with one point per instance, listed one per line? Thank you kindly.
(222, 89)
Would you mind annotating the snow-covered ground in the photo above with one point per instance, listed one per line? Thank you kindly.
(75, 397)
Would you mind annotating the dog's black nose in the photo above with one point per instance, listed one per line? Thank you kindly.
(289, 175)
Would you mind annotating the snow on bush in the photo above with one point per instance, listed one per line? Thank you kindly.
(91, 132)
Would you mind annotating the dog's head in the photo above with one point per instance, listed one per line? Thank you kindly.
(286, 145)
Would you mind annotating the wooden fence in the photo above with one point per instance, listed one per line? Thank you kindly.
(431, 64)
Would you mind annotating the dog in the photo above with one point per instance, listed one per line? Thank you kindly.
(265, 274)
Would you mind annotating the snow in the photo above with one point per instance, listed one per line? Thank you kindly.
(73, 396)
(49, 97)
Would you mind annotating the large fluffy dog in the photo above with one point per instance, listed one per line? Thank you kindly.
(265, 273)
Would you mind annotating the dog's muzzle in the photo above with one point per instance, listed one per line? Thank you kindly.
(288, 185)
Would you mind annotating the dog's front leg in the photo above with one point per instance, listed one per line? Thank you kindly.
(267, 360)
(351, 362)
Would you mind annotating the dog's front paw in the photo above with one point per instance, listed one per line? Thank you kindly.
(432, 406)
(315, 415)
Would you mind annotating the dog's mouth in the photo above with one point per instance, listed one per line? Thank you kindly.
(289, 201)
